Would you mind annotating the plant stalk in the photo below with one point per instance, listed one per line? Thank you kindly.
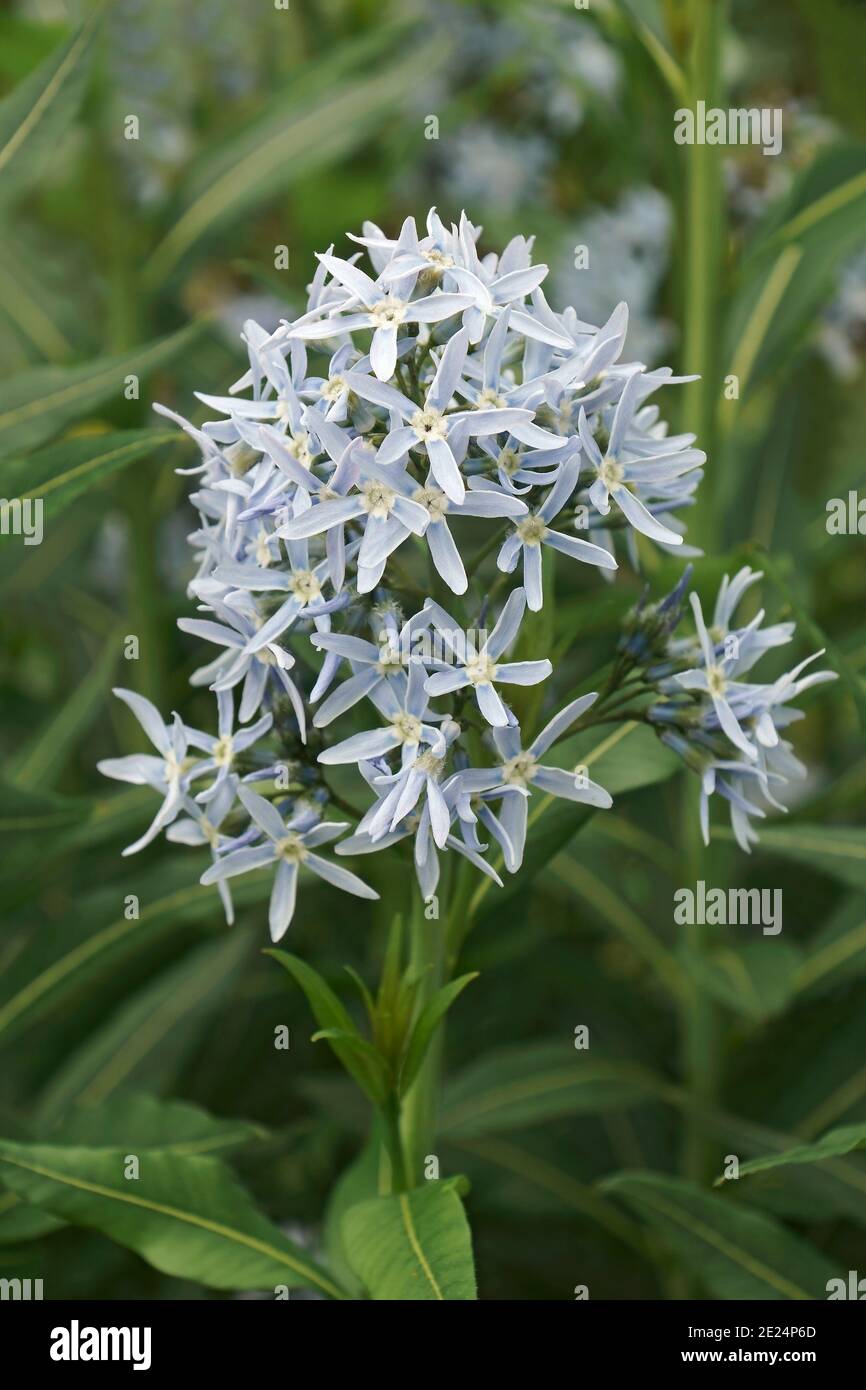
(704, 245)
(421, 1105)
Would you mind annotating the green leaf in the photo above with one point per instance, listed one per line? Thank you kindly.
(791, 266)
(63, 472)
(37, 114)
(36, 404)
(517, 1087)
(360, 1182)
(838, 951)
(367, 1058)
(833, 1145)
(756, 980)
(41, 762)
(335, 105)
(335, 1019)
(651, 35)
(838, 851)
(737, 1252)
(412, 1246)
(616, 911)
(136, 1121)
(428, 1021)
(142, 1121)
(186, 1215)
(54, 968)
(148, 1036)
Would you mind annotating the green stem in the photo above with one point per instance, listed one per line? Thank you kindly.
(700, 1024)
(427, 961)
(704, 243)
(394, 1144)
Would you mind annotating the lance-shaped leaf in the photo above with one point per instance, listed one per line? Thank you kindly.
(836, 1144)
(736, 1251)
(426, 1024)
(334, 105)
(337, 1026)
(147, 1038)
(187, 1216)
(413, 1246)
(36, 404)
(62, 472)
(136, 1121)
(517, 1087)
(36, 115)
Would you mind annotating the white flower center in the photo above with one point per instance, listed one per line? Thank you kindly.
(429, 424)
(430, 764)
(480, 669)
(406, 728)
(611, 473)
(488, 399)
(519, 771)
(173, 768)
(509, 462)
(292, 848)
(223, 751)
(438, 258)
(389, 312)
(333, 388)
(299, 448)
(531, 530)
(378, 499)
(716, 681)
(305, 586)
(434, 499)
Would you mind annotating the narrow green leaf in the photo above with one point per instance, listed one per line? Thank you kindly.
(134, 1121)
(736, 1251)
(41, 761)
(428, 1021)
(328, 113)
(331, 1015)
(186, 1215)
(838, 951)
(360, 1182)
(38, 112)
(144, 1121)
(839, 851)
(517, 1087)
(414, 1246)
(756, 980)
(148, 1036)
(36, 404)
(63, 472)
(46, 979)
(833, 1145)
(368, 1059)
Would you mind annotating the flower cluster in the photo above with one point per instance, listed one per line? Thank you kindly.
(727, 728)
(334, 482)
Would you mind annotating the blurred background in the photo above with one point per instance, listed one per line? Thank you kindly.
(195, 138)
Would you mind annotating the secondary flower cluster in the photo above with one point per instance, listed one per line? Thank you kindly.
(726, 728)
(442, 387)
